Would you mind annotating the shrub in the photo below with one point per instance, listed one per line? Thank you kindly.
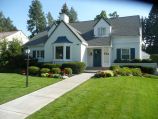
(125, 71)
(106, 73)
(136, 72)
(50, 66)
(77, 67)
(147, 61)
(109, 73)
(55, 70)
(34, 70)
(136, 61)
(45, 70)
(115, 67)
(154, 57)
(68, 71)
(56, 76)
(44, 74)
(148, 70)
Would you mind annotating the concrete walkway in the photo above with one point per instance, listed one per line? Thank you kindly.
(26, 105)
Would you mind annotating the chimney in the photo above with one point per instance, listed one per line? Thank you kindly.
(64, 17)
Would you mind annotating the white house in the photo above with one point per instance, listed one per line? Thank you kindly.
(97, 42)
(9, 36)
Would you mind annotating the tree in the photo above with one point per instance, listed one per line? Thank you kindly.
(101, 15)
(65, 9)
(72, 15)
(114, 15)
(37, 20)
(50, 20)
(150, 28)
(6, 24)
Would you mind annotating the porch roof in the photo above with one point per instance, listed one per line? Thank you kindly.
(99, 41)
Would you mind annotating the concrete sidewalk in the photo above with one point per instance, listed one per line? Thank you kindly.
(26, 105)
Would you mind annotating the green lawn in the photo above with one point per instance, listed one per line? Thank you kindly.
(13, 85)
(109, 98)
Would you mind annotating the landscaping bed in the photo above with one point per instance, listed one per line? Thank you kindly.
(123, 97)
(13, 85)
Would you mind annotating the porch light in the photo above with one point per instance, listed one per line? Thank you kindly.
(27, 51)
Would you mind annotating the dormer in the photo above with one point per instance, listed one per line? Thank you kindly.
(102, 28)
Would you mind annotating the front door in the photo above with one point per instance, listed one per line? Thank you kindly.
(97, 57)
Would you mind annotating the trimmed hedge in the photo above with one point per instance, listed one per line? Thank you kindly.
(45, 70)
(56, 70)
(68, 71)
(154, 57)
(134, 61)
(77, 67)
(148, 70)
(50, 66)
(34, 70)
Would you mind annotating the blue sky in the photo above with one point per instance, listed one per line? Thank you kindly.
(17, 10)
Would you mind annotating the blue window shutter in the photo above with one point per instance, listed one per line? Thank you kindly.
(118, 54)
(132, 53)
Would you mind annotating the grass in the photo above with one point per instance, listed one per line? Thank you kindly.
(109, 98)
(13, 85)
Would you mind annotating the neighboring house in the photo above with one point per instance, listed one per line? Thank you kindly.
(97, 42)
(9, 36)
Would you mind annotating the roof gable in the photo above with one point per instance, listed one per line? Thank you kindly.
(106, 20)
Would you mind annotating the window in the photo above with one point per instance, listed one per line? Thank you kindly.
(101, 31)
(67, 52)
(42, 53)
(38, 53)
(34, 54)
(59, 52)
(125, 54)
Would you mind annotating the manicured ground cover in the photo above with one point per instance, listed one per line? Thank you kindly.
(13, 85)
(109, 98)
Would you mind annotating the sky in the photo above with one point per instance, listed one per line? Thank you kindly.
(17, 10)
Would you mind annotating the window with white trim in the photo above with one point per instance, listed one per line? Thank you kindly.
(101, 31)
(38, 53)
(125, 55)
(62, 52)
(59, 52)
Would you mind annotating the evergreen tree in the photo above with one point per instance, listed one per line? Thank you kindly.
(6, 24)
(101, 15)
(65, 9)
(37, 20)
(50, 20)
(114, 15)
(72, 15)
(151, 29)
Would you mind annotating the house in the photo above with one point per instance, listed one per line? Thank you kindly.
(9, 36)
(96, 42)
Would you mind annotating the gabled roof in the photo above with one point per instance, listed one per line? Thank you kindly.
(105, 19)
(62, 39)
(83, 30)
(5, 34)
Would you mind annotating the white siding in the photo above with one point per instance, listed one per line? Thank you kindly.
(83, 54)
(62, 30)
(102, 23)
(18, 35)
(126, 42)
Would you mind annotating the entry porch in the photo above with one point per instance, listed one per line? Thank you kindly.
(99, 57)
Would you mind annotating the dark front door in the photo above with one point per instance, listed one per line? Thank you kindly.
(97, 57)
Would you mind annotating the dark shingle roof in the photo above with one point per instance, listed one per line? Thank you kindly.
(62, 39)
(99, 41)
(122, 26)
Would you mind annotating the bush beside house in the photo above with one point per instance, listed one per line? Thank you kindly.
(77, 67)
